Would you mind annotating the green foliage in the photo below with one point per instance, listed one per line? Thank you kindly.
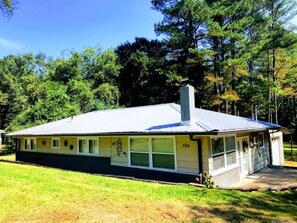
(80, 93)
(233, 53)
(7, 7)
(36, 89)
(145, 76)
(53, 106)
(108, 94)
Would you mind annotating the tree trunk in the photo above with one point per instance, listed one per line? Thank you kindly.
(269, 91)
(275, 105)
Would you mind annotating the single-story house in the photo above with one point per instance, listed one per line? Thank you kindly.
(169, 142)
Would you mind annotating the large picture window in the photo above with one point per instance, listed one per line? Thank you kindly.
(152, 152)
(88, 146)
(223, 152)
(30, 144)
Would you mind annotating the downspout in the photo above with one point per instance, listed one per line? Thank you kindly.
(18, 147)
(270, 149)
(199, 152)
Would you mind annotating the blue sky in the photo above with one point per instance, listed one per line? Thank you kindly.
(53, 26)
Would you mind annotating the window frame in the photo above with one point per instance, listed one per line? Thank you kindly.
(88, 146)
(141, 152)
(25, 144)
(224, 153)
(56, 147)
(151, 153)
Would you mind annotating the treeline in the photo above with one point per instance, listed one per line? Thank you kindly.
(241, 57)
(36, 89)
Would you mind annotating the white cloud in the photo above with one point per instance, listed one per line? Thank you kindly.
(10, 44)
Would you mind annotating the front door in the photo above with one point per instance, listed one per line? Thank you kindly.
(243, 158)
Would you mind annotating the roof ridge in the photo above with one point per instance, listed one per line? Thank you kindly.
(126, 108)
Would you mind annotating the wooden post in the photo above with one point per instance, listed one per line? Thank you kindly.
(292, 146)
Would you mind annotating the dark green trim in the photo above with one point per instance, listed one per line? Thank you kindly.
(100, 165)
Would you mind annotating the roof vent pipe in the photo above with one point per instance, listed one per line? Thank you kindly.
(187, 105)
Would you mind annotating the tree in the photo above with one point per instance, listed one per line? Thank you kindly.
(145, 76)
(81, 94)
(108, 94)
(7, 7)
(55, 105)
(233, 47)
(184, 24)
(277, 36)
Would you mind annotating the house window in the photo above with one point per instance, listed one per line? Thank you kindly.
(30, 144)
(88, 146)
(152, 152)
(230, 150)
(139, 152)
(56, 143)
(223, 152)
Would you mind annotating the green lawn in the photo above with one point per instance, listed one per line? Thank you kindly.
(288, 153)
(10, 157)
(37, 194)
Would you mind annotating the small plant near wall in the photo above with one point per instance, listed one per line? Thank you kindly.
(206, 179)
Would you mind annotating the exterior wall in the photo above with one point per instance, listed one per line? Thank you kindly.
(206, 154)
(258, 158)
(101, 165)
(186, 155)
(259, 155)
(116, 148)
(119, 151)
(277, 148)
(45, 145)
(243, 134)
(228, 177)
(21, 144)
(104, 146)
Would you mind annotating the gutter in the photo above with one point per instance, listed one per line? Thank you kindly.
(209, 133)
(199, 152)
(111, 134)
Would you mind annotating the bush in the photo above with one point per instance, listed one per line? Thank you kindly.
(9, 147)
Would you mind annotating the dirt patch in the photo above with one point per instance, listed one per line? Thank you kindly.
(48, 216)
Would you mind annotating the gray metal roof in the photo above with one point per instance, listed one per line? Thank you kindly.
(2, 131)
(153, 119)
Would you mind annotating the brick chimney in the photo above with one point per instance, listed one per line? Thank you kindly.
(187, 105)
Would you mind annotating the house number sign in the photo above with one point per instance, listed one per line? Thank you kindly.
(186, 145)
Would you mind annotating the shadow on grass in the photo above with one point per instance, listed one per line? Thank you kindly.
(252, 207)
(288, 155)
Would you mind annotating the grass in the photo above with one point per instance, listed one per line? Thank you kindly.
(291, 160)
(37, 194)
(10, 157)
